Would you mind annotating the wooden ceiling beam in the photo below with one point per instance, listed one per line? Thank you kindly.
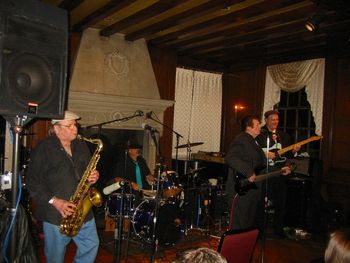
(197, 35)
(69, 5)
(278, 39)
(140, 16)
(100, 14)
(199, 47)
(180, 18)
(264, 54)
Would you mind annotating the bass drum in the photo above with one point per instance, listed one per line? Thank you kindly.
(170, 228)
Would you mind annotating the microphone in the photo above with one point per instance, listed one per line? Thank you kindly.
(113, 187)
(149, 114)
(148, 127)
(139, 113)
(274, 135)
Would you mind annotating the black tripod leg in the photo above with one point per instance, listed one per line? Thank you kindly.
(127, 242)
(118, 244)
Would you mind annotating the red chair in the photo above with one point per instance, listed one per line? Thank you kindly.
(237, 246)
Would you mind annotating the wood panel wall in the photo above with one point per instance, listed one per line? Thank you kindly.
(244, 88)
(336, 126)
(164, 66)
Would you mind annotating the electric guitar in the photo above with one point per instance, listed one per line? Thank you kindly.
(243, 185)
(279, 152)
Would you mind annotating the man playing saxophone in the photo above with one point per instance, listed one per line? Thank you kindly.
(56, 167)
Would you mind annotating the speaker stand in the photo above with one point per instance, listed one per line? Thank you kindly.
(16, 128)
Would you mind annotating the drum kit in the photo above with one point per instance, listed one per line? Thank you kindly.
(166, 214)
(170, 222)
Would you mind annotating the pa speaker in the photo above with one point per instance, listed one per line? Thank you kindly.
(33, 57)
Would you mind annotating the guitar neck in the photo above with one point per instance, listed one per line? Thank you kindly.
(290, 147)
(263, 177)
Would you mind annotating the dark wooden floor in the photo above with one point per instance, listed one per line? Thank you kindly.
(275, 250)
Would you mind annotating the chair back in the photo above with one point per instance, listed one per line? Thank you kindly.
(237, 246)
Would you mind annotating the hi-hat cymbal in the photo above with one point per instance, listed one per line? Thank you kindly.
(187, 145)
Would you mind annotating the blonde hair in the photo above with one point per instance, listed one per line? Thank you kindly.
(200, 255)
(338, 248)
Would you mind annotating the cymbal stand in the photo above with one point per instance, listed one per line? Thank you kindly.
(189, 157)
(128, 236)
(118, 231)
(154, 238)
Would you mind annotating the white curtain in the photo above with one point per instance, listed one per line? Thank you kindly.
(292, 77)
(197, 112)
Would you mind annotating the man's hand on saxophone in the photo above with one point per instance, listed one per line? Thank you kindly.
(93, 177)
(65, 207)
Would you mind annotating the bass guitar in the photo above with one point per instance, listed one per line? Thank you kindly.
(243, 185)
(279, 152)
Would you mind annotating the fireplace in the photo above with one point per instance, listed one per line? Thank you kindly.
(95, 109)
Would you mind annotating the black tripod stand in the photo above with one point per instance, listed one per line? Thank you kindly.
(118, 232)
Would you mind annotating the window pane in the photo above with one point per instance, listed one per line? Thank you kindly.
(293, 99)
(303, 118)
(291, 133)
(290, 122)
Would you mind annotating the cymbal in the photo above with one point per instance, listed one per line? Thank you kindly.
(149, 193)
(187, 145)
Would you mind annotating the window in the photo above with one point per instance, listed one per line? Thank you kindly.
(197, 111)
(296, 119)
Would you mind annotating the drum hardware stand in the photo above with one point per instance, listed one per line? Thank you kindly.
(221, 207)
(118, 231)
(154, 238)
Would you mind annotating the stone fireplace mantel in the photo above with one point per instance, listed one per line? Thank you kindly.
(98, 108)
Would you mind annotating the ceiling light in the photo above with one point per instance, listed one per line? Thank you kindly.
(314, 21)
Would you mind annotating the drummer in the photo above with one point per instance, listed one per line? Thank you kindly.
(134, 169)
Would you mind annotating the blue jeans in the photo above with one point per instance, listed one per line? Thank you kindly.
(86, 240)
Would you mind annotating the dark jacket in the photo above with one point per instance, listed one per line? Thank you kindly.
(244, 156)
(52, 172)
(127, 170)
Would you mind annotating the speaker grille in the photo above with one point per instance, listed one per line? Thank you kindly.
(33, 64)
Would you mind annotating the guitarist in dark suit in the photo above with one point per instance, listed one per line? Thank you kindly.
(276, 187)
(243, 157)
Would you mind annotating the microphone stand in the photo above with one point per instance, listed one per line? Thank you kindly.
(118, 244)
(266, 202)
(178, 136)
(119, 235)
(99, 125)
(154, 239)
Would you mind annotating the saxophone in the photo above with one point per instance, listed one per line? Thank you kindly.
(84, 197)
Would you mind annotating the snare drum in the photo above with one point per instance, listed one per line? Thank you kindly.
(114, 205)
(170, 228)
(171, 184)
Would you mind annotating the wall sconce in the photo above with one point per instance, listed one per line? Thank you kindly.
(238, 112)
(314, 21)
